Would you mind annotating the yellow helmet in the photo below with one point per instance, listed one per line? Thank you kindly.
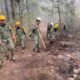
(18, 23)
(2, 17)
(56, 25)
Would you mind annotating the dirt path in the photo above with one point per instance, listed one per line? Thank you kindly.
(24, 64)
(41, 66)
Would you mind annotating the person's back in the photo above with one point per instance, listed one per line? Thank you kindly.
(49, 27)
(64, 29)
(49, 31)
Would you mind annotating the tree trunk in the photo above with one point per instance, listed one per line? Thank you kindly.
(6, 9)
(13, 10)
(58, 6)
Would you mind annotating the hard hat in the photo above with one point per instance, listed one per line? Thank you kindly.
(61, 22)
(2, 17)
(56, 25)
(18, 23)
(52, 23)
(38, 18)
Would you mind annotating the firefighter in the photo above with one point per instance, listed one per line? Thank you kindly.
(35, 35)
(6, 42)
(20, 35)
(55, 29)
(63, 29)
(49, 31)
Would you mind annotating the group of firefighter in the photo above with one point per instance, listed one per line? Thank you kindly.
(54, 30)
(10, 39)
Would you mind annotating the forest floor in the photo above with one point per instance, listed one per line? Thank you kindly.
(61, 61)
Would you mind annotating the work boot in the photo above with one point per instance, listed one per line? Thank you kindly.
(12, 59)
(38, 51)
(51, 42)
(23, 49)
(34, 50)
(7, 57)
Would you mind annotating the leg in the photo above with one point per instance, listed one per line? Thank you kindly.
(11, 49)
(3, 49)
(37, 44)
(1, 60)
(34, 48)
(1, 55)
(23, 42)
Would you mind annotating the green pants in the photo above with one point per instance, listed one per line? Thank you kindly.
(36, 42)
(55, 34)
(7, 48)
(11, 48)
(49, 35)
(1, 58)
(21, 41)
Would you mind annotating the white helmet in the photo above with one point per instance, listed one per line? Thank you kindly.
(52, 23)
(38, 18)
